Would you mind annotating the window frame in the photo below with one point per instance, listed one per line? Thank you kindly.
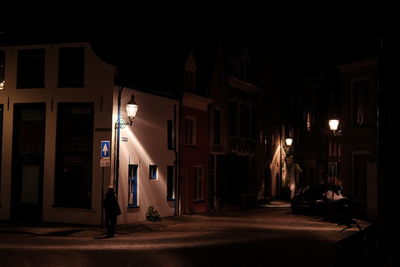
(153, 174)
(24, 70)
(62, 81)
(193, 138)
(132, 191)
(198, 182)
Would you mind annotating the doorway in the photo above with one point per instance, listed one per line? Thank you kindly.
(28, 161)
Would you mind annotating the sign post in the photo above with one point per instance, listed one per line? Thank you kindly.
(104, 162)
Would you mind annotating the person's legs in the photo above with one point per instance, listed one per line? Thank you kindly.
(113, 223)
(108, 225)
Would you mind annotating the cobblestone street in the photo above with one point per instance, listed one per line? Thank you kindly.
(259, 237)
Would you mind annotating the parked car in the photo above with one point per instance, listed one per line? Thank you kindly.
(322, 199)
(311, 200)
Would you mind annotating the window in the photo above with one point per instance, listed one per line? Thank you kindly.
(153, 172)
(1, 139)
(30, 71)
(71, 67)
(190, 131)
(217, 126)
(253, 124)
(361, 103)
(171, 135)
(244, 121)
(233, 119)
(133, 186)
(170, 183)
(74, 155)
(2, 69)
(198, 183)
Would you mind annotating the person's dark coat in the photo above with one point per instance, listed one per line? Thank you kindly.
(111, 205)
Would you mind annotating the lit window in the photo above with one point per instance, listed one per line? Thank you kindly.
(361, 102)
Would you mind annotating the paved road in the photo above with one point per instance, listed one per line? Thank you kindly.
(260, 237)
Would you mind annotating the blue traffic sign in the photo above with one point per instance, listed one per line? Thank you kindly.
(105, 149)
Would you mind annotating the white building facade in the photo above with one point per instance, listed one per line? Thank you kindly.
(58, 102)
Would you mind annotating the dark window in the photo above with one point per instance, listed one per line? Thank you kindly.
(190, 131)
(253, 122)
(171, 135)
(217, 127)
(153, 172)
(30, 72)
(244, 121)
(71, 67)
(74, 155)
(233, 119)
(1, 138)
(133, 186)
(2, 69)
(170, 183)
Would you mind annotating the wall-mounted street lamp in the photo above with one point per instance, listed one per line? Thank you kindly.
(288, 146)
(333, 125)
(131, 109)
(289, 141)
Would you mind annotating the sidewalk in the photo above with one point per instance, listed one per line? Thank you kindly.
(63, 229)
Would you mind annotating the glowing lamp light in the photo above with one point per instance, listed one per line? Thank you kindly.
(131, 109)
(289, 141)
(333, 124)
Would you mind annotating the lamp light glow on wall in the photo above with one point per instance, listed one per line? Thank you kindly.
(333, 124)
(131, 109)
(289, 141)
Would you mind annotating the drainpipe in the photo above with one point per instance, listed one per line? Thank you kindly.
(177, 210)
(116, 176)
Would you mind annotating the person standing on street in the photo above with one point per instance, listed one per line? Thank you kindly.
(112, 210)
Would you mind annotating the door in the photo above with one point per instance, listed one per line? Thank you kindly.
(27, 161)
(184, 189)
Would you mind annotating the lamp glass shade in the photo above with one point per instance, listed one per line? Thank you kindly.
(289, 141)
(333, 124)
(132, 108)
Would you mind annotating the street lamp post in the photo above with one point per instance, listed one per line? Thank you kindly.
(334, 152)
(131, 110)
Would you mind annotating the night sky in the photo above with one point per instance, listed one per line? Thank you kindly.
(298, 44)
